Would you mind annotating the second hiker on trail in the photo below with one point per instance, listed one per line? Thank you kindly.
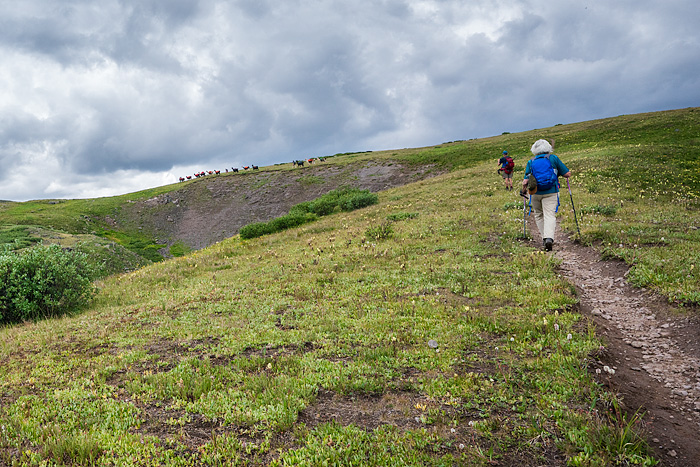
(542, 184)
(506, 169)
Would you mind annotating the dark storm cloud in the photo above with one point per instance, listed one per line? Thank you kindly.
(115, 94)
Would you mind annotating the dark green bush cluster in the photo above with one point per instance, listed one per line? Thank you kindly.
(346, 199)
(43, 281)
(278, 224)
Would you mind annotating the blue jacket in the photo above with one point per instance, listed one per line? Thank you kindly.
(557, 165)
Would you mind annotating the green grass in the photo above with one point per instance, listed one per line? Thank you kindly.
(140, 244)
(179, 249)
(241, 353)
(17, 237)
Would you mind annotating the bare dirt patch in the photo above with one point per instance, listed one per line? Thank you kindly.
(406, 410)
(368, 412)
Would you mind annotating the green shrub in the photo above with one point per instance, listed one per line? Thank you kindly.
(257, 229)
(291, 220)
(110, 257)
(43, 281)
(139, 243)
(288, 221)
(323, 206)
(359, 200)
(346, 199)
(302, 208)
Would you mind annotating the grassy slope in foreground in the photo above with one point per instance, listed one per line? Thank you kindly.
(229, 355)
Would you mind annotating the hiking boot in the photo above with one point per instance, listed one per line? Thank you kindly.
(548, 242)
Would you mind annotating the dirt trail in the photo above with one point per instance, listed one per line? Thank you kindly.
(653, 348)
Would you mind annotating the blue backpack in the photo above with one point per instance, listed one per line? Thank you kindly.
(544, 173)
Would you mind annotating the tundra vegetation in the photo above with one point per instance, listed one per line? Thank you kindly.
(421, 330)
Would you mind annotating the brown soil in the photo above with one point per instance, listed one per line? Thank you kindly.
(653, 347)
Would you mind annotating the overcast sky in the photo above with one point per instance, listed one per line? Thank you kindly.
(100, 98)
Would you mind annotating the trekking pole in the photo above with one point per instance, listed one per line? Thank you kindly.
(572, 207)
(524, 218)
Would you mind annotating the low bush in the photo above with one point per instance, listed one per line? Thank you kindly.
(292, 220)
(346, 199)
(179, 248)
(139, 243)
(43, 281)
(257, 229)
(358, 200)
(288, 221)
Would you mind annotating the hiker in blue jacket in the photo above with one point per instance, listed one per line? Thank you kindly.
(542, 184)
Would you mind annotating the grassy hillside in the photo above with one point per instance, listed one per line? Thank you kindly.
(419, 331)
(177, 218)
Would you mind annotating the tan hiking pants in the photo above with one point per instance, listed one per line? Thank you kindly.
(544, 208)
